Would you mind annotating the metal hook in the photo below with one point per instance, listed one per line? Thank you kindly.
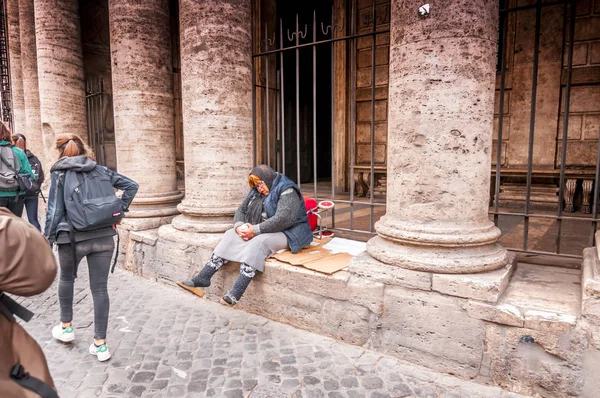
(271, 42)
(326, 30)
(385, 16)
(367, 18)
(292, 37)
(303, 35)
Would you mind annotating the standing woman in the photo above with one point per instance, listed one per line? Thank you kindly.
(31, 196)
(13, 162)
(96, 245)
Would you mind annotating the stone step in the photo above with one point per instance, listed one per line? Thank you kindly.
(537, 297)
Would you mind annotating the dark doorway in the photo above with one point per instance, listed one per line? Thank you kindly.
(299, 81)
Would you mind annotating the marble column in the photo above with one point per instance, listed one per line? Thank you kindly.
(441, 106)
(217, 111)
(31, 93)
(60, 69)
(141, 59)
(16, 72)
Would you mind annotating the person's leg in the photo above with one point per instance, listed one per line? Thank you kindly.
(210, 268)
(99, 259)
(15, 205)
(31, 207)
(241, 284)
(66, 282)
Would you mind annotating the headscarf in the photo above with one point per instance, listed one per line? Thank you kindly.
(255, 206)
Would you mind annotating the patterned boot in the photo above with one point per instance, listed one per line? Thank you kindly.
(203, 278)
(239, 287)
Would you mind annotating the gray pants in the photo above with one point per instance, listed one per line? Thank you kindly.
(99, 253)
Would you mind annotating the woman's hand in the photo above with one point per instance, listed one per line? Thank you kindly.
(246, 232)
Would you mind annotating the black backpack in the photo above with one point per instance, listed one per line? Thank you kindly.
(91, 204)
(90, 200)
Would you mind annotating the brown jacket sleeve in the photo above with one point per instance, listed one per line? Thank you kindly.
(27, 266)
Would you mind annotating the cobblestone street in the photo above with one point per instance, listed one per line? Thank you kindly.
(168, 343)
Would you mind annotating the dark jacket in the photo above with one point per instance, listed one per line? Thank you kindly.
(27, 267)
(56, 215)
(294, 226)
(36, 167)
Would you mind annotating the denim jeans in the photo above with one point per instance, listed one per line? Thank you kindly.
(14, 204)
(31, 207)
(98, 253)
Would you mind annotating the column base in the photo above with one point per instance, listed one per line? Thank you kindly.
(204, 219)
(150, 211)
(442, 260)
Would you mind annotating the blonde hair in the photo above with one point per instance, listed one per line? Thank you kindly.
(72, 145)
(253, 180)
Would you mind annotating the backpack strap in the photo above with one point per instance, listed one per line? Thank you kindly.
(112, 270)
(10, 166)
(19, 375)
(9, 308)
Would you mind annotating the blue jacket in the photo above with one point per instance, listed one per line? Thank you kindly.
(299, 235)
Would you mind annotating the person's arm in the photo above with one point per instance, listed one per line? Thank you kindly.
(28, 266)
(125, 184)
(285, 215)
(240, 215)
(56, 207)
(24, 163)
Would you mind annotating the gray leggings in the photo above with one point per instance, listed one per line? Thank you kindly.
(99, 253)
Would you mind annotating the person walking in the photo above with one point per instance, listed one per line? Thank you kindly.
(74, 180)
(14, 168)
(31, 196)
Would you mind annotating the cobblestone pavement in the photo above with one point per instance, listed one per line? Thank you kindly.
(166, 342)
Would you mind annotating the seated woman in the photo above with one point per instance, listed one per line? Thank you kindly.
(271, 218)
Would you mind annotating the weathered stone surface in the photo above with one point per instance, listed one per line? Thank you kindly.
(504, 314)
(217, 111)
(430, 329)
(142, 80)
(60, 69)
(531, 362)
(549, 321)
(339, 286)
(436, 216)
(16, 69)
(366, 266)
(590, 300)
(31, 93)
(485, 286)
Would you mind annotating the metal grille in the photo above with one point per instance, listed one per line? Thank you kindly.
(306, 78)
(5, 89)
(97, 99)
(531, 228)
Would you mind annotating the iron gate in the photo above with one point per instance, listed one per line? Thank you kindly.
(573, 178)
(5, 88)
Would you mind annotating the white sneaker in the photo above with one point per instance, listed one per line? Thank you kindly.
(66, 335)
(101, 352)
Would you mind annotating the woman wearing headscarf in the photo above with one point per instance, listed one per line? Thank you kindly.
(272, 217)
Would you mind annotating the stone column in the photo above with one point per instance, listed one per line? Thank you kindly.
(60, 69)
(217, 111)
(143, 105)
(442, 74)
(16, 72)
(31, 93)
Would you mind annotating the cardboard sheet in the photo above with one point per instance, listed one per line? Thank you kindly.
(316, 258)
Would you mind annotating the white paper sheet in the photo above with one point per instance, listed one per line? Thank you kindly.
(341, 245)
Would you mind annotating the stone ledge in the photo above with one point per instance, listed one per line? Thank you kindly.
(504, 314)
(148, 237)
(366, 266)
(484, 286)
